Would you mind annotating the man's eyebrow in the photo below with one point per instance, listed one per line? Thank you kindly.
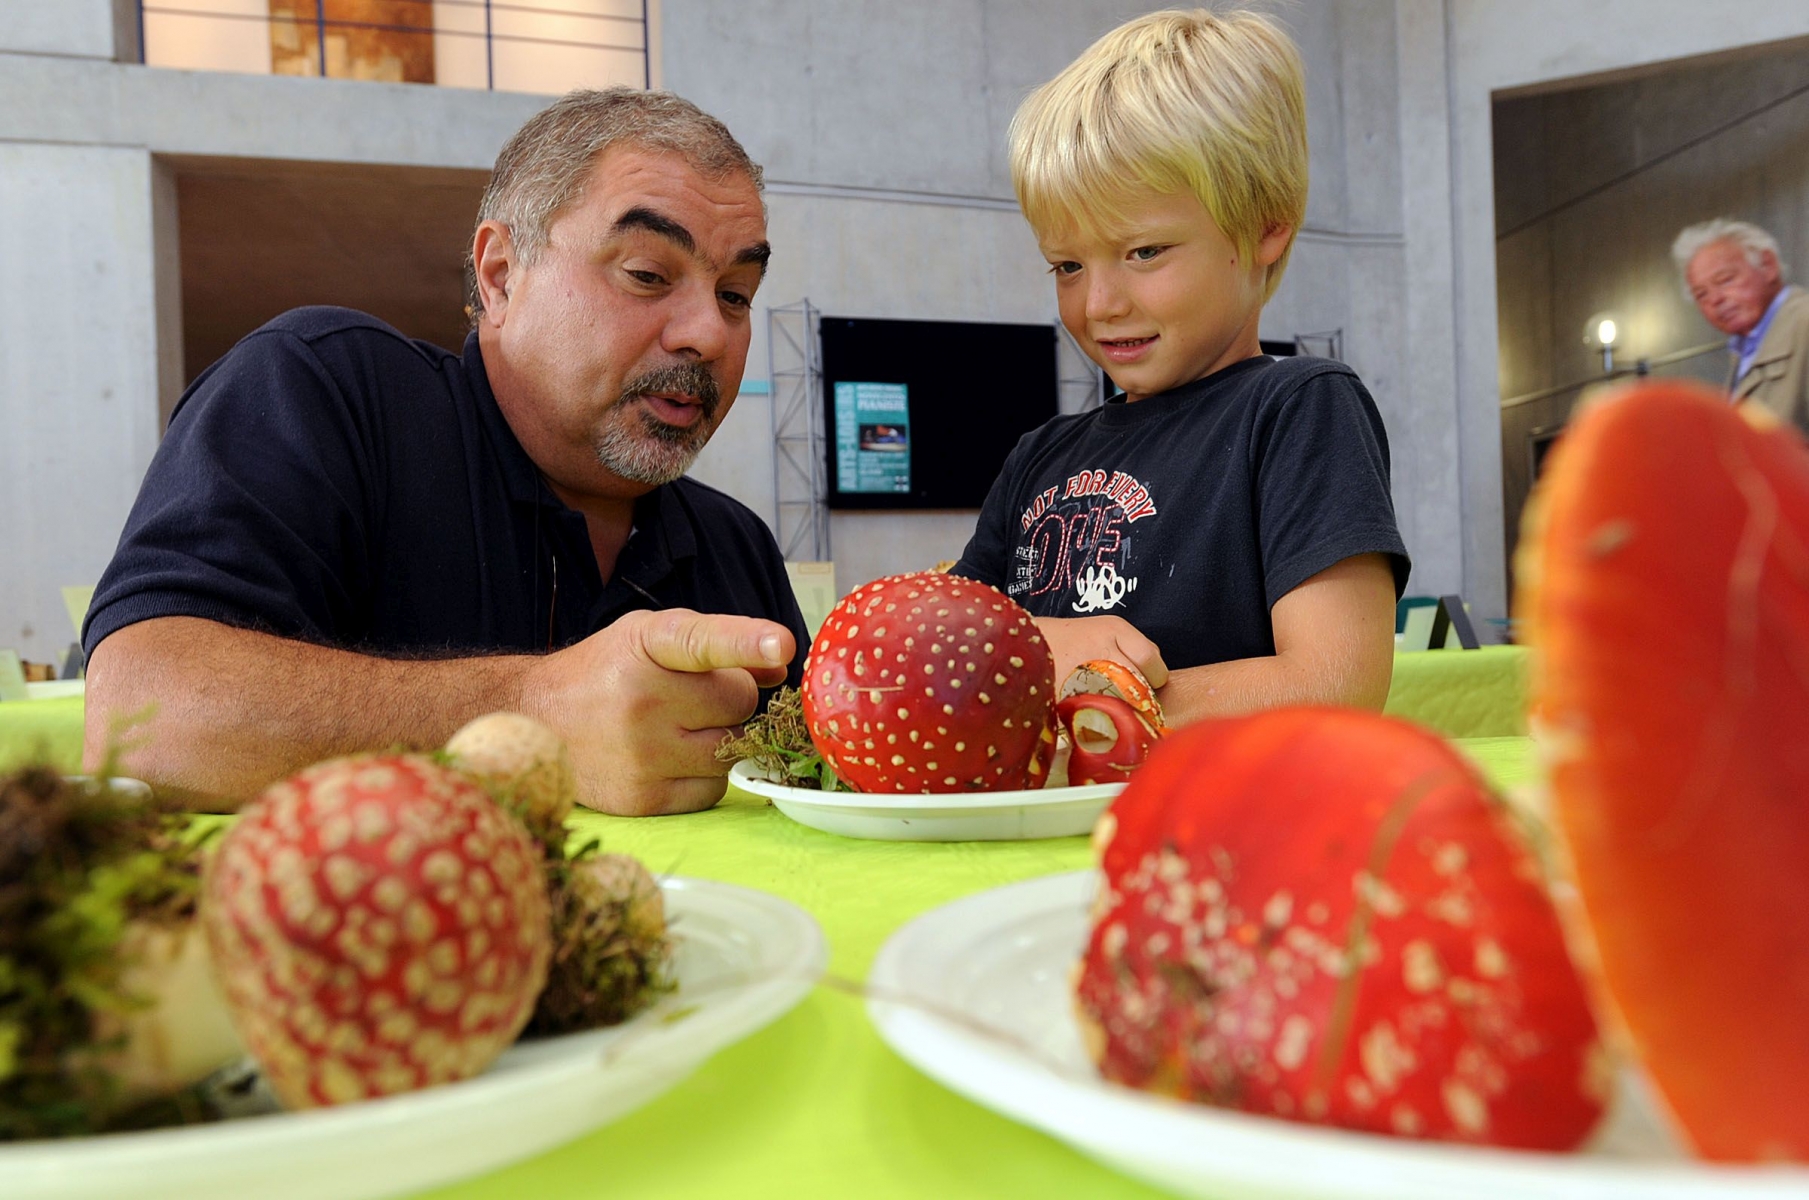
(639, 217)
(652, 222)
(760, 253)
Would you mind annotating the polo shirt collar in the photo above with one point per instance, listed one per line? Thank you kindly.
(521, 478)
(663, 509)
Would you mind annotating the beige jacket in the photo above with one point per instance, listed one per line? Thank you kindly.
(1779, 375)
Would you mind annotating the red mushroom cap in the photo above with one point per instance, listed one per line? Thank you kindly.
(1108, 677)
(379, 924)
(1321, 914)
(931, 683)
(1130, 741)
(1664, 570)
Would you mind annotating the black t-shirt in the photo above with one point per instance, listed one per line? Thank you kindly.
(1190, 513)
(334, 481)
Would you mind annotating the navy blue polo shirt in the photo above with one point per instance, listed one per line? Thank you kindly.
(334, 481)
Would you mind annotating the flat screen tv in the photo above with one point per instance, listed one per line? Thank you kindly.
(921, 414)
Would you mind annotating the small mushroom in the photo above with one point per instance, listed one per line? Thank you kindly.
(1108, 677)
(1108, 738)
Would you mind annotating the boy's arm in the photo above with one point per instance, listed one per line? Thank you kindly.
(1334, 644)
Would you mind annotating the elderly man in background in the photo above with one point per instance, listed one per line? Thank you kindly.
(350, 539)
(1732, 271)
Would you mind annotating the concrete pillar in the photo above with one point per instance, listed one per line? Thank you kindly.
(79, 369)
(1453, 497)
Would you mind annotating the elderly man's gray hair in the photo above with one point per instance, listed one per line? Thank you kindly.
(1752, 240)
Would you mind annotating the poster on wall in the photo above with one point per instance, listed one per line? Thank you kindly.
(872, 438)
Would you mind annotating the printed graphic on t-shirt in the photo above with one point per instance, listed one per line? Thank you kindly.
(1075, 541)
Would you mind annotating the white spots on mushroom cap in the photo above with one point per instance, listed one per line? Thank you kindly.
(1386, 1061)
(1468, 1111)
(1453, 908)
(1421, 969)
(1491, 959)
(1112, 941)
(344, 875)
(1291, 1046)
(1375, 892)
(1449, 859)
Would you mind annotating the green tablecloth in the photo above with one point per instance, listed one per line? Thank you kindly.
(816, 1104)
(1462, 693)
(41, 731)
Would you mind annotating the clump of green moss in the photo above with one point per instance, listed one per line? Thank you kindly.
(612, 955)
(79, 861)
(778, 743)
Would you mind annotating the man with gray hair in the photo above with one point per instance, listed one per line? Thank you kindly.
(1732, 271)
(350, 540)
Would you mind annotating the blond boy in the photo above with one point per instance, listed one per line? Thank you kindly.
(1226, 523)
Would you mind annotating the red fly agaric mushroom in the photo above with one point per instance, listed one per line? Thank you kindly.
(1111, 719)
(1321, 914)
(931, 683)
(1664, 587)
(1107, 677)
(1107, 738)
(525, 766)
(379, 924)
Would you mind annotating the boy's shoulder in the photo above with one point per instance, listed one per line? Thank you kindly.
(1256, 382)
(1287, 373)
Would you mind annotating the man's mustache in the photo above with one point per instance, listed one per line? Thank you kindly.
(685, 378)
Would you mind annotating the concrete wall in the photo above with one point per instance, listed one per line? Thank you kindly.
(78, 372)
(75, 28)
(90, 341)
(1457, 54)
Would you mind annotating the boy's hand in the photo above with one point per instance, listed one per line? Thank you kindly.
(1075, 640)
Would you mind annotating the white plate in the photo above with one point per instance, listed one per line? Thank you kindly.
(975, 995)
(936, 816)
(744, 958)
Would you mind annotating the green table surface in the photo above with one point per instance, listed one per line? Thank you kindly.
(1462, 693)
(815, 1104)
(41, 731)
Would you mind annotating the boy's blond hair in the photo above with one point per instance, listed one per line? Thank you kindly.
(1210, 103)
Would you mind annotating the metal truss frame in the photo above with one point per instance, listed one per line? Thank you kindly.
(1326, 344)
(800, 457)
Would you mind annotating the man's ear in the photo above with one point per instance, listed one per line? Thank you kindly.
(492, 260)
(1769, 268)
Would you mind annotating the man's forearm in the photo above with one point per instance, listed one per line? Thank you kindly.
(1249, 685)
(230, 710)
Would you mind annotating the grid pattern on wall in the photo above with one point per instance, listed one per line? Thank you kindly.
(542, 46)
